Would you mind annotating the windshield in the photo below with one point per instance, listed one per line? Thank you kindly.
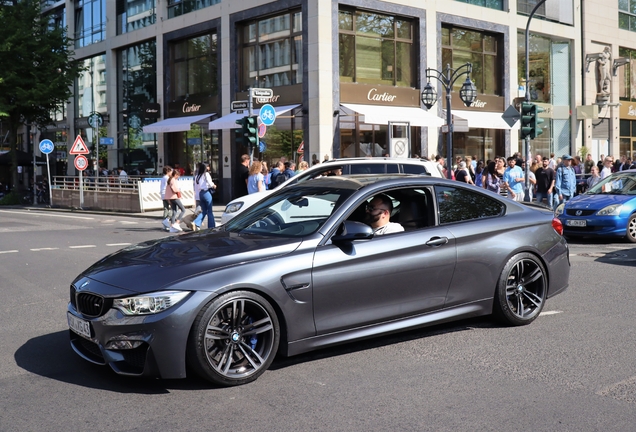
(293, 212)
(616, 184)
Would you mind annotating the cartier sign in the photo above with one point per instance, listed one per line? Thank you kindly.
(190, 108)
(374, 95)
(379, 95)
(487, 103)
(282, 95)
(151, 110)
(628, 111)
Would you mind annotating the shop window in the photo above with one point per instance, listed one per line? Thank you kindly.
(376, 48)
(461, 45)
(627, 81)
(90, 22)
(271, 53)
(492, 4)
(194, 67)
(539, 85)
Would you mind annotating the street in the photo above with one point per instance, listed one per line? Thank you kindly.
(571, 370)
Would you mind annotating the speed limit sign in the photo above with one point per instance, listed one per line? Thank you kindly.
(81, 162)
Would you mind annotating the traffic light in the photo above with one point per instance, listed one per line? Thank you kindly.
(250, 131)
(240, 139)
(536, 121)
(527, 121)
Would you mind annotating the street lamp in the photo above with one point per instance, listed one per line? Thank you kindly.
(468, 94)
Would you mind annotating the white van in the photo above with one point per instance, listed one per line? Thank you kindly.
(376, 165)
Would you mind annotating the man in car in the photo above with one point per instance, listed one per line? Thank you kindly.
(378, 213)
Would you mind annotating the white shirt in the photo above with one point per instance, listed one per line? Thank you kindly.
(162, 186)
(204, 183)
(391, 227)
(606, 171)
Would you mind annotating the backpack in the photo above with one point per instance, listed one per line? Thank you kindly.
(280, 179)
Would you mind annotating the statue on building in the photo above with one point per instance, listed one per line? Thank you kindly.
(604, 75)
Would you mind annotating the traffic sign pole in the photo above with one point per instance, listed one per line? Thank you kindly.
(46, 147)
(250, 107)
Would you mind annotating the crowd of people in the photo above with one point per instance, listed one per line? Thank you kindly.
(552, 181)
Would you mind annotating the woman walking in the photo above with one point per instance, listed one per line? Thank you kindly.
(255, 181)
(173, 194)
(206, 188)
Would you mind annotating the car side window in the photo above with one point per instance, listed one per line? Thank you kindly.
(459, 204)
(368, 169)
(414, 169)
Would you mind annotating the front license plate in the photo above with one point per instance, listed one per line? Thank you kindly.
(78, 325)
(576, 223)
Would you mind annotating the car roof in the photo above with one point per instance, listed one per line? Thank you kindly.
(357, 181)
(375, 160)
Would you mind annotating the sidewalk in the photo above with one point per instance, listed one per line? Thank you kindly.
(156, 214)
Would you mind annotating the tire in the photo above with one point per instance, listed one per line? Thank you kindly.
(234, 339)
(521, 290)
(631, 229)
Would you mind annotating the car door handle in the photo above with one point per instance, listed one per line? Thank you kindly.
(437, 241)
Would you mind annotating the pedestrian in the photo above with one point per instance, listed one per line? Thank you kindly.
(205, 188)
(267, 178)
(479, 171)
(565, 181)
(275, 175)
(492, 176)
(123, 175)
(255, 181)
(173, 193)
(289, 170)
(302, 166)
(242, 172)
(594, 178)
(513, 179)
(552, 163)
(588, 164)
(607, 167)
(167, 211)
(545, 183)
(462, 174)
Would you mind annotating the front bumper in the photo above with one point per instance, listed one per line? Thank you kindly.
(160, 340)
(595, 226)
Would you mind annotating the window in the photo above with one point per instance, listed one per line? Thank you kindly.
(135, 14)
(492, 4)
(460, 46)
(272, 52)
(458, 204)
(627, 81)
(194, 63)
(57, 18)
(90, 22)
(627, 14)
(179, 7)
(524, 7)
(376, 49)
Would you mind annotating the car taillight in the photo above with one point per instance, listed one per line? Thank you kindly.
(558, 226)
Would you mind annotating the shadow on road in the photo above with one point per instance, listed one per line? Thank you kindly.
(51, 356)
(624, 257)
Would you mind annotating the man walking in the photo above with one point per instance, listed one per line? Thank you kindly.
(513, 179)
(545, 183)
(240, 184)
(565, 182)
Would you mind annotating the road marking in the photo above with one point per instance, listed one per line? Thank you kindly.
(118, 244)
(129, 222)
(550, 312)
(82, 246)
(44, 249)
(8, 251)
(48, 215)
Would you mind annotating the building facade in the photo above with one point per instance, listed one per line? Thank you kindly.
(346, 77)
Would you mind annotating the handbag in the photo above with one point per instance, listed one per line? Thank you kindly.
(178, 194)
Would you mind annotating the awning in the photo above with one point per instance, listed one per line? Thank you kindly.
(175, 124)
(381, 115)
(483, 120)
(229, 121)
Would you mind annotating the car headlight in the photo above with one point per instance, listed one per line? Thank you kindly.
(611, 210)
(559, 210)
(148, 304)
(233, 207)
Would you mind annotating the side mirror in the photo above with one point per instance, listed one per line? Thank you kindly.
(351, 230)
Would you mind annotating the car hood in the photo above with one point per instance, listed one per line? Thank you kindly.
(157, 264)
(596, 202)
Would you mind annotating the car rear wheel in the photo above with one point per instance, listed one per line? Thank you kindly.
(631, 229)
(521, 290)
(234, 339)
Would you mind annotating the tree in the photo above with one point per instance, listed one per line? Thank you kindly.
(37, 69)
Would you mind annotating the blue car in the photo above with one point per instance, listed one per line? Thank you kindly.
(606, 210)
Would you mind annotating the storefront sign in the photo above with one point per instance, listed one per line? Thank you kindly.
(379, 95)
(151, 110)
(628, 111)
(284, 95)
(192, 106)
(83, 123)
(483, 102)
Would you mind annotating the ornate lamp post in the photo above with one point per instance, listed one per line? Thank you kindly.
(468, 94)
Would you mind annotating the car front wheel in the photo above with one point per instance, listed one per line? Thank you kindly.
(521, 290)
(631, 229)
(234, 339)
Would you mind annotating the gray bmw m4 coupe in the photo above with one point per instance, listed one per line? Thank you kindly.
(306, 267)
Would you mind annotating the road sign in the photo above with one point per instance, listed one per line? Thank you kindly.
(81, 162)
(193, 141)
(46, 146)
(107, 141)
(95, 119)
(262, 92)
(239, 105)
(79, 148)
(301, 147)
(262, 147)
(262, 130)
(267, 115)
(511, 116)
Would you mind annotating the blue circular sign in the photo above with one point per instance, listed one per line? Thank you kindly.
(267, 115)
(46, 146)
(262, 147)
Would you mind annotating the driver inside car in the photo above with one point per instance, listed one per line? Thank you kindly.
(378, 213)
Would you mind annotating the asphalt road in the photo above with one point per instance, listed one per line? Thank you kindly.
(573, 369)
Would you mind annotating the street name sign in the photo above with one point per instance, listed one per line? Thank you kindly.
(262, 92)
(239, 105)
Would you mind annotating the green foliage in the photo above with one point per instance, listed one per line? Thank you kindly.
(37, 72)
(279, 143)
(12, 198)
(583, 151)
